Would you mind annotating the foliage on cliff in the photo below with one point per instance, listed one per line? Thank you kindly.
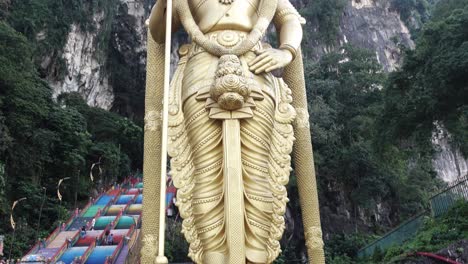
(432, 84)
(357, 171)
(434, 235)
(326, 15)
(430, 89)
(42, 141)
(46, 23)
(414, 13)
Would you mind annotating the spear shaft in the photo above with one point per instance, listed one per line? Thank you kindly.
(165, 115)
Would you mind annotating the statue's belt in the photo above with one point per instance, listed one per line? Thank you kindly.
(226, 38)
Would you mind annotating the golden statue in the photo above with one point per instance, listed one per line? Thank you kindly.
(232, 122)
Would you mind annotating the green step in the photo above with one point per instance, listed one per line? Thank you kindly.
(92, 210)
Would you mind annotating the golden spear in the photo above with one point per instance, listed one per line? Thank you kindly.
(155, 146)
(161, 259)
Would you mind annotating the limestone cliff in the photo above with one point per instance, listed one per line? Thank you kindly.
(85, 72)
(377, 26)
(369, 24)
(95, 55)
(448, 162)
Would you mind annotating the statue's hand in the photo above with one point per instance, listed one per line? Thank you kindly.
(269, 60)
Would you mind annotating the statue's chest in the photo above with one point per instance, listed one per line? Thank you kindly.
(211, 14)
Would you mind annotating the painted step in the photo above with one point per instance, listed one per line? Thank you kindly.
(78, 223)
(47, 252)
(92, 210)
(71, 253)
(100, 253)
(61, 238)
(122, 256)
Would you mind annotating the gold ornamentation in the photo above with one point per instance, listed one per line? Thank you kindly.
(152, 151)
(287, 13)
(153, 121)
(150, 247)
(228, 38)
(230, 138)
(313, 236)
(182, 164)
(303, 156)
(289, 48)
(267, 10)
(302, 119)
(230, 89)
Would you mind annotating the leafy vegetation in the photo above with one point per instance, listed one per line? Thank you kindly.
(375, 143)
(326, 14)
(432, 83)
(46, 23)
(175, 242)
(43, 141)
(436, 233)
(346, 98)
(414, 13)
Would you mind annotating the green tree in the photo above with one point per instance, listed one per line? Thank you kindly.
(326, 15)
(344, 92)
(432, 84)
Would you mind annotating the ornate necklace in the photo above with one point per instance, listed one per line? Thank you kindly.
(226, 2)
(267, 11)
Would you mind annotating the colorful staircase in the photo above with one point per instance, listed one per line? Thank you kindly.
(100, 254)
(122, 256)
(117, 212)
(61, 239)
(93, 210)
(47, 252)
(72, 253)
(79, 222)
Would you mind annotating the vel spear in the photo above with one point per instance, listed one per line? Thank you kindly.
(155, 145)
(161, 259)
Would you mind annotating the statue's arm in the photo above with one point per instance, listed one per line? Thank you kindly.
(157, 21)
(288, 24)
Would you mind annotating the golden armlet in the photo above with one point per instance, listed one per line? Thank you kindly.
(289, 48)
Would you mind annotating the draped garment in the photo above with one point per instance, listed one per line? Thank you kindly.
(196, 148)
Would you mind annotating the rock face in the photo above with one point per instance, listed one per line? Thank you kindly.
(116, 37)
(448, 161)
(371, 25)
(91, 65)
(375, 26)
(85, 71)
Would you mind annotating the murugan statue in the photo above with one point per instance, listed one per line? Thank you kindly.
(236, 108)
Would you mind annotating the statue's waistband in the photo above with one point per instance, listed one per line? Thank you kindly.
(226, 38)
